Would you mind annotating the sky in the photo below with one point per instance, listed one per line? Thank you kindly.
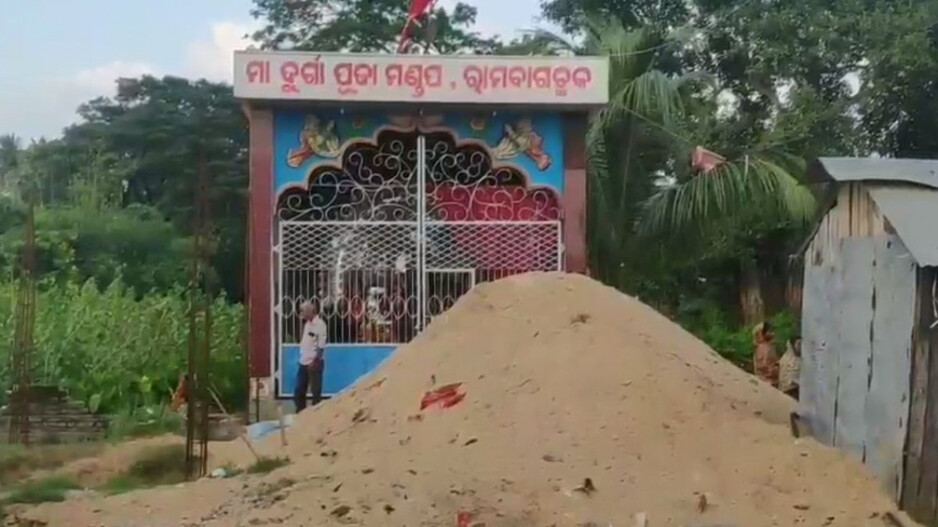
(57, 54)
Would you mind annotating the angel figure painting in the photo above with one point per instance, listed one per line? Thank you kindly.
(316, 139)
(522, 139)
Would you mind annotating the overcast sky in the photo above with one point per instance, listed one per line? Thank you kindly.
(56, 54)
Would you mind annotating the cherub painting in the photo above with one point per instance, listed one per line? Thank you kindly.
(316, 139)
(523, 139)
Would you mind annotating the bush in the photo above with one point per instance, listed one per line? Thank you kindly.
(17, 461)
(146, 421)
(158, 465)
(117, 353)
(264, 465)
(78, 244)
(51, 489)
(711, 325)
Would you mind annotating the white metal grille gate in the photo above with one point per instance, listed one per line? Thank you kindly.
(397, 233)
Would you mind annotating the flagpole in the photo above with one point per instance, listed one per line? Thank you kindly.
(403, 38)
(412, 17)
(428, 34)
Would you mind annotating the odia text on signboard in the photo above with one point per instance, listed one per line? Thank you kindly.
(425, 78)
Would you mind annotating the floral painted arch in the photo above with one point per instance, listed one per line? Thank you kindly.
(376, 180)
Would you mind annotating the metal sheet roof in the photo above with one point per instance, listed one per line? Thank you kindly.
(913, 212)
(845, 169)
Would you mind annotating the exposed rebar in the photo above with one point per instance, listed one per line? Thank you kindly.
(201, 281)
(24, 325)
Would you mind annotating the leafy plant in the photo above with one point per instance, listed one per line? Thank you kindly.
(51, 489)
(158, 465)
(17, 462)
(146, 421)
(265, 465)
(120, 354)
(733, 342)
(134, 244)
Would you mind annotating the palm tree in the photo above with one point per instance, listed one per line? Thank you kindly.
(645, 194)
(747, 201)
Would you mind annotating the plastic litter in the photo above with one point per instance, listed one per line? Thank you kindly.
(444, 397)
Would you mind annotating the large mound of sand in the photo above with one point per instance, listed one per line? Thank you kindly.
(565, 380)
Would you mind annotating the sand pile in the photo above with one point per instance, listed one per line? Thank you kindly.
(565, 381)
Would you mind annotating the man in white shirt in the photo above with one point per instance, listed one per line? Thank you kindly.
(312, 363)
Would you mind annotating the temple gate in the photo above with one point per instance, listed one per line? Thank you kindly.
(384, 187)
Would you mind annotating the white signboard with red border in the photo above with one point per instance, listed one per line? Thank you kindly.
(460, 79)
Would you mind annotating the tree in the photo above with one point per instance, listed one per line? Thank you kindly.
(362, 26)
(898, 97)
(144, 146)
(9, 151)
(756, 53)
(10, 155)
(156, 130)
(646, 198)
(135, 244)
(572, 15)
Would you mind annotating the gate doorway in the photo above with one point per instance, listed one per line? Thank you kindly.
(392, 234)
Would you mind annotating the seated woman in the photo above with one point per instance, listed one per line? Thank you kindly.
(764, 358)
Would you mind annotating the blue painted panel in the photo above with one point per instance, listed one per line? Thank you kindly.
(344, 366)
(487, 128)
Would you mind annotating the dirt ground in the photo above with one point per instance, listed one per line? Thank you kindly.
(582, 407)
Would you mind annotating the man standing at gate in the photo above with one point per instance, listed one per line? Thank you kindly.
(312, 363)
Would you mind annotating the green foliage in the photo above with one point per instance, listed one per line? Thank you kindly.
(362, 25)
(160, 465)
(572, 14)
(154, 466)
(123, 353)
(899, 96)
(265, 465)
(17, 461)
(122, 484)
(45, 490)
(117, 191)
(711, 325)
(135, 244)
(146, 421)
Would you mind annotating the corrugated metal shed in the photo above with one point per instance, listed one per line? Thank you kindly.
(905, 190)
(869, 377)
(844, 169)
(913, 212)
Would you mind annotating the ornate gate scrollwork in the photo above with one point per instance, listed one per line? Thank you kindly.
(377, 181)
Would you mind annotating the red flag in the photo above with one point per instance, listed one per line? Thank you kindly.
(704, 160)
(417, 9)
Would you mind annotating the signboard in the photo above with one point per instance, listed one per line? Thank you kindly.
(482, 79)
